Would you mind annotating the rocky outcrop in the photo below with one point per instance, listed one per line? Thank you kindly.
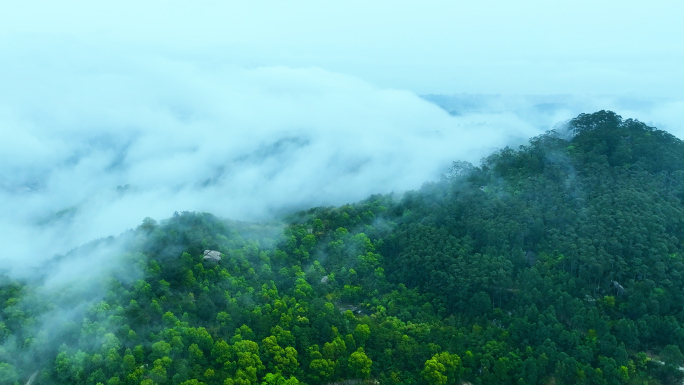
(618, 288)
(212, 255)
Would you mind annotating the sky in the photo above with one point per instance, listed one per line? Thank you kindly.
(111, 112)
(521, 47)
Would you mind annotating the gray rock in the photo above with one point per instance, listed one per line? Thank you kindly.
(212, 255)
(618, 288)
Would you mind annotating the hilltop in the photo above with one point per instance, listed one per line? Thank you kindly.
(558, 262)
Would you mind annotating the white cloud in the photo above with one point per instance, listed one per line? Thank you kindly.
(236, 142)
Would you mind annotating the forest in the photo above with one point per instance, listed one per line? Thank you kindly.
(558, 262)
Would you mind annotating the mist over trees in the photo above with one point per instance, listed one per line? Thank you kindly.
(560, 262)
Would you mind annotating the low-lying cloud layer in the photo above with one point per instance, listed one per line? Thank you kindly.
(95, 141)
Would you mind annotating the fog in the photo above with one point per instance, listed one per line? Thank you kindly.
(110, 113)
(96, 143)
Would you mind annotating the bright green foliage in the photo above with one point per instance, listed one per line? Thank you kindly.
(335, 349)
(192, 382)
(280, 360)
(360, 364)
(278, 379)
(248, 362)
(443, 368)
(433, 373)
(361, 333)
(322, 370)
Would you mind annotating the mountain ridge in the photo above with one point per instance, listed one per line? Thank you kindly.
(558, 262)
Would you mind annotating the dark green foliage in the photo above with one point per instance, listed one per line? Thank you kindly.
(559, 262)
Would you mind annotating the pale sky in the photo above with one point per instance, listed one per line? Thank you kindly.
(511, 47)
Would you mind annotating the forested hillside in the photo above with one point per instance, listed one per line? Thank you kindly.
(560, 262)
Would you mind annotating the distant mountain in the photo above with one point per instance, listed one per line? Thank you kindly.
(541, 111)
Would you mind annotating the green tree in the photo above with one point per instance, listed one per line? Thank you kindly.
(278, 379)
(360, 364)
(443, 368)
(8, 374)
(361, 333)
(280, 360)
(321, 369)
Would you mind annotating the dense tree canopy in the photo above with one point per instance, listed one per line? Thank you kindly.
(560, 262)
